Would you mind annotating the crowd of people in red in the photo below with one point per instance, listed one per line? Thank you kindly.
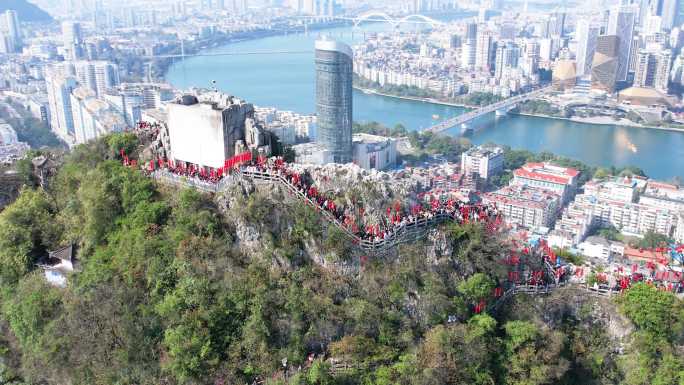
(397, 217)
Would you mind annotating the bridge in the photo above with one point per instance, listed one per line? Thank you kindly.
(501, 105)
(384, 17)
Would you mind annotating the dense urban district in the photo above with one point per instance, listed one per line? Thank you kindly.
(153, 235)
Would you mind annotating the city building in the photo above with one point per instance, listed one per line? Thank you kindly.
(11, 21)
(334, 98)
(561, 180)
(483, 51)
(525, 206)
(97, 75)
(586, 35)
(208, 128)
(506, 57)
(74, 45)
(59, 89)
(653, 69)
(93, 117)
(482, 161)
(605, 63)
(621, 24)
(469, 48)
(564, 76)
(601, 249)
(7, 134)
(374, 152)
(634, 206)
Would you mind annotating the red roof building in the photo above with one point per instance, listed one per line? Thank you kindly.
(562, 180)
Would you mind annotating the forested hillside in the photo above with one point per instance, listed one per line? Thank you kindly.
(170, 290)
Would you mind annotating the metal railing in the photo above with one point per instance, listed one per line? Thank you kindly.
(404, 233)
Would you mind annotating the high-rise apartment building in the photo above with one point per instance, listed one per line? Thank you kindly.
(605, 63)
(483, 51)
(97, 75)
(586, 35)
(334, 98)
(669, 13)
(469, 48)
(59, 89)
(72, 36)
(556, 26)
(653, 69)
(621, 24)
(506, 57)
(13, 30)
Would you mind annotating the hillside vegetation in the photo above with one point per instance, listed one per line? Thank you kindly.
(168, 293)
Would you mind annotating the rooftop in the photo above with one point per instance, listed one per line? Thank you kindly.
(547, 172)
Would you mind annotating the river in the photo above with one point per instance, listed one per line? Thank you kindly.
(286, 81)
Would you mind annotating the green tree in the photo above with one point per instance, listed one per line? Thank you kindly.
(531, 356)
(27, 232)
(476, 287)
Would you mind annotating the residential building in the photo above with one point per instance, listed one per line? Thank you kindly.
(93, 117)
(469, 48)
(97, 75)
(653, 69)
(483, 51)
(483, 161)
(525, 206)
(11, 21)
(561, 180)
(59, 89)
(506, 57)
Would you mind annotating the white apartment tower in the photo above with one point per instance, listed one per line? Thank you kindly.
(483, 51)
(59, 89)
(97, 75)
(469, 48)
(13, 31)
(653, 69)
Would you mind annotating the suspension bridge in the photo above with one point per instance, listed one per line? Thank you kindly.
(463, 119)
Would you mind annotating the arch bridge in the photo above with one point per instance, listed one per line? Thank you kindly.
(380, 16)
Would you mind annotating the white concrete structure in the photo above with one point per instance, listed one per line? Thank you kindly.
(207, 129)
(562, 180)
(312, 153)
(525, 206)
(59, 89)
(601, 249)
(483, 161)
(97, 75)
(374, 152)
(93, 117)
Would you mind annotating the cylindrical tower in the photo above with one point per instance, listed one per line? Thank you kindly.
(334, 98)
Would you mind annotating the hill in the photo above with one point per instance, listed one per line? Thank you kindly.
(249, 286)
(27, 12)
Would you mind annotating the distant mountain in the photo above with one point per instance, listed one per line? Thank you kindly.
(26, 11)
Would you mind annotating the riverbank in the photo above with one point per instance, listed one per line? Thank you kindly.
(598, 120)
(601, 121)
(371, 91)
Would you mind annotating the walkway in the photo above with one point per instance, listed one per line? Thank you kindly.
(410, 232)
